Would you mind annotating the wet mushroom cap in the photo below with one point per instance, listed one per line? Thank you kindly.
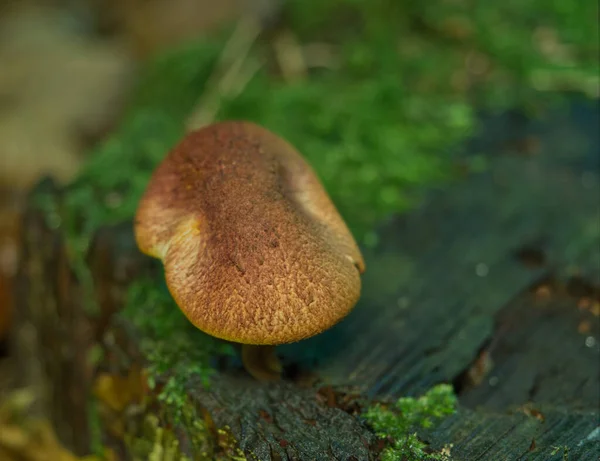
(254, 250)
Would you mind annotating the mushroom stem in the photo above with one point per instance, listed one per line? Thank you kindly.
(261, 362)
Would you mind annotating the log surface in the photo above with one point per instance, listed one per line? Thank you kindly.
(492, 284)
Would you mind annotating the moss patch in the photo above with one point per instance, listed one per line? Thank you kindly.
(175, 350)
(127, 412)
(400, 423)
(406, 80)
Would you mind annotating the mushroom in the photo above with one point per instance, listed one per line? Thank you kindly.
(254, 250)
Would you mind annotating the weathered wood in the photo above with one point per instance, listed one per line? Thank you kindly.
(450, 286)
(50, 333)
(285, 421)
(442, 274)
(551, 435)
(542, 352)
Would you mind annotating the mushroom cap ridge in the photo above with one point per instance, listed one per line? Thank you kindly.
(254, 250)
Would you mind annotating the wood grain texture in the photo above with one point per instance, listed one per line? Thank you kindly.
(479, 436)
(443, 274)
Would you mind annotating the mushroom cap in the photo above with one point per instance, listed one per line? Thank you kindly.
(254, 250)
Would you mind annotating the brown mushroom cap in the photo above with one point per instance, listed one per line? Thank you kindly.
(254, 250)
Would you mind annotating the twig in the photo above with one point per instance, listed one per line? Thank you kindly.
(233, 71)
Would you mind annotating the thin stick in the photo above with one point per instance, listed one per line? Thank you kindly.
(234, 69)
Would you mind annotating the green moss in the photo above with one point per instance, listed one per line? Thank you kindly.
(366, 148)
(407, 415)
(203, 442)
(400, 97)
(175, 350)
(564, 450)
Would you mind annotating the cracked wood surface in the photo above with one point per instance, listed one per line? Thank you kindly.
(443, 273)
(492, 284)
